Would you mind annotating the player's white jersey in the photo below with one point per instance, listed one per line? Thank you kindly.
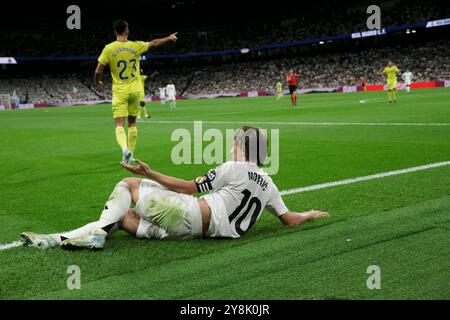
(239, 193)
(170, 90)
(162, 93)
(407, 77)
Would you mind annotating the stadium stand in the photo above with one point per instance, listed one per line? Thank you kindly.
(332, 67)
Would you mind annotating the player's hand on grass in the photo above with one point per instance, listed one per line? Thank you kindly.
(99, 86)
(142, 169)
(313, 214)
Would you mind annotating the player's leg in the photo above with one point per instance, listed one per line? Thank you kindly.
(141, 228)
(92, 235)
(120, 112)
(132, 134)
(139, 114)
(115, 209)
(121, 138)
(394, 92)
(175, 215)
(133, 110)
(143, 109)
(389, 92)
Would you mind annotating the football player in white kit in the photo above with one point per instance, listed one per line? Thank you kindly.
(171, 95)
(239, 191)
(162, 95)
(407, 77)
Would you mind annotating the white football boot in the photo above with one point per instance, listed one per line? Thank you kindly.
(127, 156)
(39, 241)
(93, 241)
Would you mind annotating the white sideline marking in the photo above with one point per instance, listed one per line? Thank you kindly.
(364, 178)
(301, 123)
(11, 245)
(16, 244)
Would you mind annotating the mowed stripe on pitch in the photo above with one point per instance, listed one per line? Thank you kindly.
(16, 244)
(288, 123)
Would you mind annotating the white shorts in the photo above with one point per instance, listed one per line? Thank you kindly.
(171, 97)
(407, 83)
(167, 214)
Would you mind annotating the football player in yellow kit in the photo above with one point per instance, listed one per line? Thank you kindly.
(123, 57)
(391, 72)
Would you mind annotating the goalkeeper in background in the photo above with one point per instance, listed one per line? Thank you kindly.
(123, 58)
(391, 72)
(142, 97)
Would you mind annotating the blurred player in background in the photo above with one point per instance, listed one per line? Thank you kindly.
(171, 95)
(407, 77)
(363, 83)
(391, 72)
(142, 98)
(162, 95)
(292, 79)
(279, 90)
(123, 57)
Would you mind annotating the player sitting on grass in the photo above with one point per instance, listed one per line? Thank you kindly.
(123, 58)
(165, 207)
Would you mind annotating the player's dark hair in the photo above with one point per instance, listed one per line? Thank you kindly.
(253, 142)
(120, 26)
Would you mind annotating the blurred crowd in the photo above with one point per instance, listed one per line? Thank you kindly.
(223, 37)
(49, 89)
(427, 62)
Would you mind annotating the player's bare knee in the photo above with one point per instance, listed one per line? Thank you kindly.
(131, 182)
(130, 222)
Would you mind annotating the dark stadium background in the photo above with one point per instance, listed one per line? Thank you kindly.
(38, 29)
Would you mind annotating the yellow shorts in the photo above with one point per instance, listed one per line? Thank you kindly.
(392, 85)
(141, 95)
(125, 104)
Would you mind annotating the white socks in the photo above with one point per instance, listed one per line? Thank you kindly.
(83, 231)
(115, 209)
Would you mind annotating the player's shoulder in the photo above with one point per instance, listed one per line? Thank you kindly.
(112, 44)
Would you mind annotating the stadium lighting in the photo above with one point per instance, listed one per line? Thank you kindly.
(407, 31)
(7, 60)
(245, 50)
(413, 31)
(321, 42)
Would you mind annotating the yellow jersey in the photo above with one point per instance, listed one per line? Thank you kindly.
(279, 86)
(391, 73)
(123, 58)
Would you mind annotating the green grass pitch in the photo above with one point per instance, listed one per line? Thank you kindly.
(59, 165)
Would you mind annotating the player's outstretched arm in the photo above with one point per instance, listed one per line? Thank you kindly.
(291, 219)
(161, 41)
(171, 183)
